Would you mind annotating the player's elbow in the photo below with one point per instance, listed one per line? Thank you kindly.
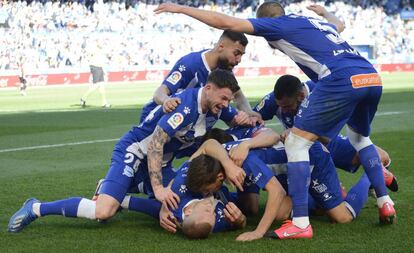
(340, 26)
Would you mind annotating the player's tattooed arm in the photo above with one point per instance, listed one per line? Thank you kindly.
(155, 154)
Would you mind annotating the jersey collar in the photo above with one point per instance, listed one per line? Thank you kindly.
(203, 57)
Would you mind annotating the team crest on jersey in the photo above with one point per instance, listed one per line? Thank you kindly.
(261, 104)
(183, 188)
(175, 120)
(174, 77)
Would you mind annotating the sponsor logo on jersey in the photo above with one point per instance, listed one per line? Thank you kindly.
(175, 120)
(174, 77)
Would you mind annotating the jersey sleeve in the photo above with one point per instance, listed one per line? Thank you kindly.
(181, 117)
(227, 114)
(180, 75)
(267, 107)
(257, 172)
(221, 223)
(269, 28)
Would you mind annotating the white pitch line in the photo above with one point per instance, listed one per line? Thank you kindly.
(55, 145)
(109, 140)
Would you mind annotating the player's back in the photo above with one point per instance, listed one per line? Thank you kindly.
(314, 45)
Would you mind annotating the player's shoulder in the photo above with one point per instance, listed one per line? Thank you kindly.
(192, 58)
(309, 85)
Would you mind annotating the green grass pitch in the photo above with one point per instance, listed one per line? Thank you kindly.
(31, 166)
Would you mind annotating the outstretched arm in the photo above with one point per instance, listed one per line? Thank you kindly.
(275, 196)
(266, 137)
(211, 18)
(155, 154)
(331, 18)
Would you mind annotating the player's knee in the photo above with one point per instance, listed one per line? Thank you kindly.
(297, 147)
(104, 213)
(357, 140)
(344, 218)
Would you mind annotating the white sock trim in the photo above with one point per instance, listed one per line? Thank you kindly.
(125, 202)
(301, 222)
(297, 148)
(87, 209)
(357, 140)
(384, 199)
(36, 209)
(351, 209)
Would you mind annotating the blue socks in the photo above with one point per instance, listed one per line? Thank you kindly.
(66, 207)
(298, 186)
(358, 195)
(150, 207)
(372, 164)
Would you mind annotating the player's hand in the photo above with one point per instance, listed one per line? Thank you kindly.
(256, 117)
(249, 236)
(168, 7)
(167, 197)
(235, 174)
(170, 104)
(167, 219)
(233, 214)
(318, 9)
(284, 135)
(242, 119)
(239, 153)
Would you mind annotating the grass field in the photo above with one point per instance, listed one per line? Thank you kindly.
(52, 149)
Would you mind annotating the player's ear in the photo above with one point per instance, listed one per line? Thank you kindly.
(301, 96)
(188, 211)
(220, 176)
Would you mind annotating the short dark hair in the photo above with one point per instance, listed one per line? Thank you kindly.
(224, 79)
(287, 86)
(202, 171)
(217, 134)
(194, 230)
(235, 37)
(270, 9)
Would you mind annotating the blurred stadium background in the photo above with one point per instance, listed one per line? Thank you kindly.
(53, 38)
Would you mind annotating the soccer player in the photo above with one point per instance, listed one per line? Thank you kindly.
(348, 90)
(96, 63)
(284, 102)
(324, 189)
(191, 71)
(22, 76)
(148, 149)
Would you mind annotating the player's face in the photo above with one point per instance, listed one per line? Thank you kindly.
(288, 105)
(214, 187)
(231, 54)
(218, 98)
(204, 210)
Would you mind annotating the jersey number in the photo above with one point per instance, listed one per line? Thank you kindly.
(332, 35)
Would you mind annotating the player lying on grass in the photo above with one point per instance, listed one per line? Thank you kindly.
(284, 102)
(325, 189)
(146, 151)
(191, 71)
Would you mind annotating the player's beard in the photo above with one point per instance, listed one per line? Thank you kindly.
(223, 63)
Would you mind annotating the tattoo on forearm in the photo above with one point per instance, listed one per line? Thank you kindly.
(155, 154)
